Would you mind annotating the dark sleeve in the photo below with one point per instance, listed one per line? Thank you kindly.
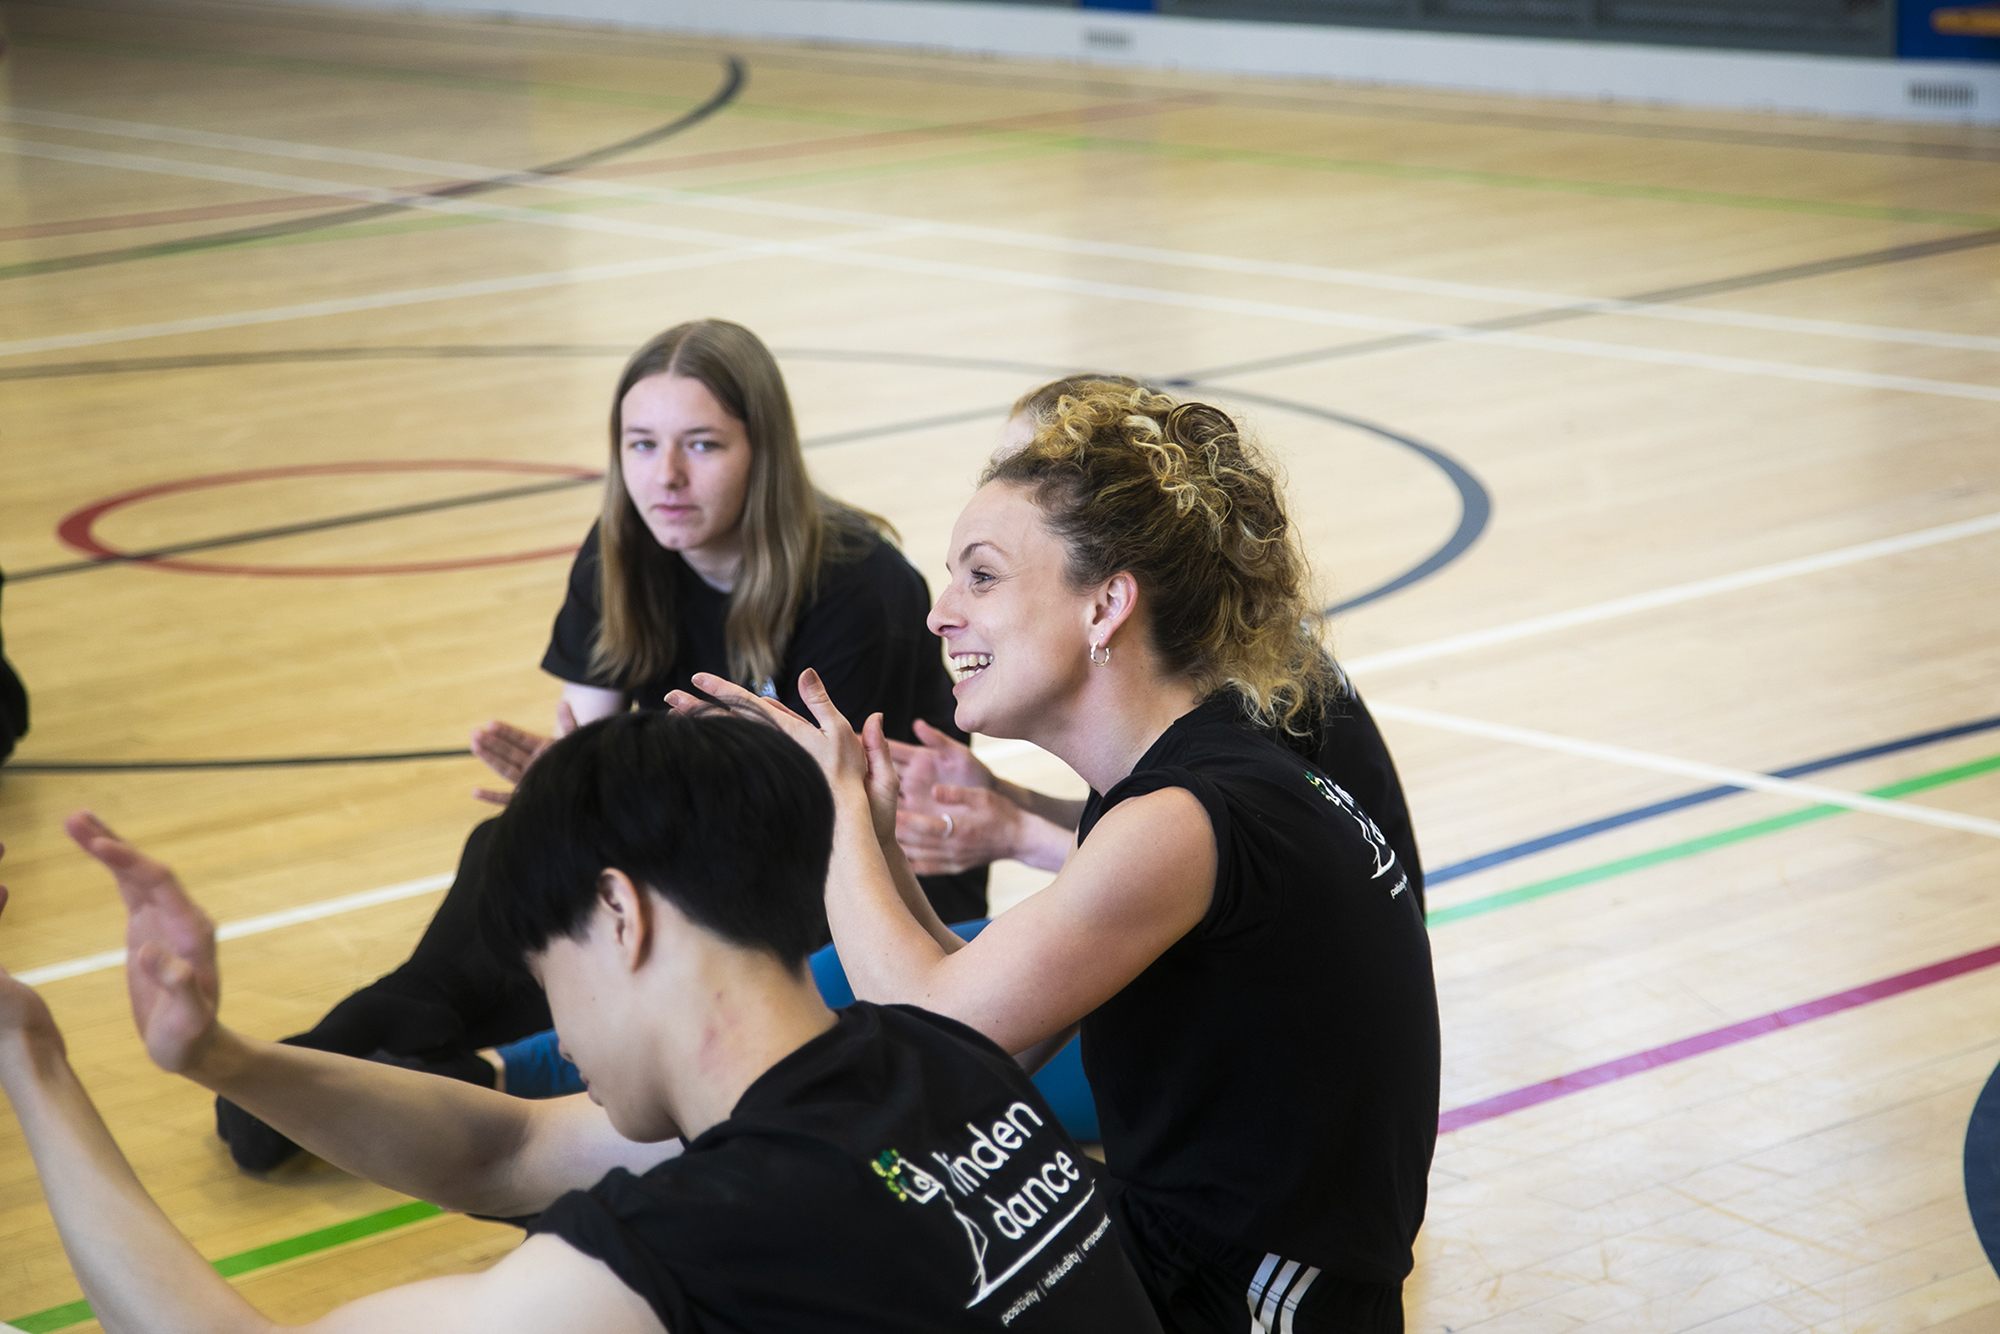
(1353, 754)
(865, 635)
(594, 1222)
(575, 632)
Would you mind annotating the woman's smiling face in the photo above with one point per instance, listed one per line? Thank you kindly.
(1016, 633)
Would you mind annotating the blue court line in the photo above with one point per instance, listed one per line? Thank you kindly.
(1515, 852)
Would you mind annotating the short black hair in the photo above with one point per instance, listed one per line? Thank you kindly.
(722, 815)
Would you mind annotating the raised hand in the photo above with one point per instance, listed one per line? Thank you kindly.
(170, 968)
(939, 758)
(849, 760)
(508, 750)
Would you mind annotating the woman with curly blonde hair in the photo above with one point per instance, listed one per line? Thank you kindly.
(1233, 933)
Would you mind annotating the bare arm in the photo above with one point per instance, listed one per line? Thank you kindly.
(1144, 880)
(143, 1277)
(469, 1149)
(463, 1147)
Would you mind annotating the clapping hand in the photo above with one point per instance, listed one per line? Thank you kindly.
(170, 969)
(849, 760)
(508, 750)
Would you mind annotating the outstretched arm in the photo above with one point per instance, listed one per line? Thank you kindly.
(465, 1148)
(1144, 880)
(143, 1277)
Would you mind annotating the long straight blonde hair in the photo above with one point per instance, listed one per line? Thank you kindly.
(790, 529)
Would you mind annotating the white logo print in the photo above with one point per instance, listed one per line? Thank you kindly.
(1385, 857)
(1030, 1202)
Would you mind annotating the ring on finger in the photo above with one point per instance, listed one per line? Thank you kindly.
(947, 823)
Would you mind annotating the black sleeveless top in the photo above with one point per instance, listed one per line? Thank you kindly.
(1271, 1081)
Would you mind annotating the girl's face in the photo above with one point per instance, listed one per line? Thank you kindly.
(686, 464)
(1017, 634)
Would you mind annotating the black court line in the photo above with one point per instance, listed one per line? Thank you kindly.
(1475, 505)
(1501, 856)
(309, 526)
(732, 84)
(179, 766)
(1660, 297)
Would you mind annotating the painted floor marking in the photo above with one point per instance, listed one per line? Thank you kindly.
(1458, 1118)
(1677, 593)
(1812, 793)
(258, 1257)
(1000, 236)
(904, 264)
(1672, 852)
(1435, 876)
(251, 926)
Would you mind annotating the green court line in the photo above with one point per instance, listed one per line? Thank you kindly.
(74, 1313)
(229, 1266)
(1673, 852)
(1055, 140)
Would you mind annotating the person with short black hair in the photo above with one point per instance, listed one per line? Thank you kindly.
(883, 1169)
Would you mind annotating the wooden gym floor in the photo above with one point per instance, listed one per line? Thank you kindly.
(1648, 448)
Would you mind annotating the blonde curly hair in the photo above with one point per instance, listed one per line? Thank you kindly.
(1132, 479)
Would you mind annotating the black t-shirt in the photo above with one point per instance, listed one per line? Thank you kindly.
(863, 632)
(897, 1173)
(1272, 1079)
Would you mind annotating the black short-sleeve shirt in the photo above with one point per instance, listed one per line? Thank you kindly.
(1272, 1079)
(898, 1173)
(863, 632)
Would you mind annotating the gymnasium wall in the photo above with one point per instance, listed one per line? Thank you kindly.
(1857, 58)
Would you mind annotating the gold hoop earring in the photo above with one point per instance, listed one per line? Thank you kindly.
(1104, 661)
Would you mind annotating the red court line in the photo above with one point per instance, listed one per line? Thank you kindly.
(684, 162)
(1458, 1118)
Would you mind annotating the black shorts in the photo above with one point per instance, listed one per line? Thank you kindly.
(1220, 1289)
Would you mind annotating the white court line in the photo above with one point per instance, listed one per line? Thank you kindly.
(251, 926)
(1811, 793)
(998, 236)
(904, 264)
(1002, 750)
(1667, 597)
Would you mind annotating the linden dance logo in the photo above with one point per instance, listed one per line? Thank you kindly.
(1028, 1204)
(1377, 844)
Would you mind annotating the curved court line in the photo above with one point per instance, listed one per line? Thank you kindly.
(1576, 1081)
(481, 182)
(1137, 147)
(1982, 1169)
(77, 529)
(1668, 764)
(1434, 877)
(1554, 302)
(838, 251)
(1673, 852)
(1475, 505)
(1674, 594)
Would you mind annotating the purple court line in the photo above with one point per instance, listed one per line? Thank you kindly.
(1458, 1118)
